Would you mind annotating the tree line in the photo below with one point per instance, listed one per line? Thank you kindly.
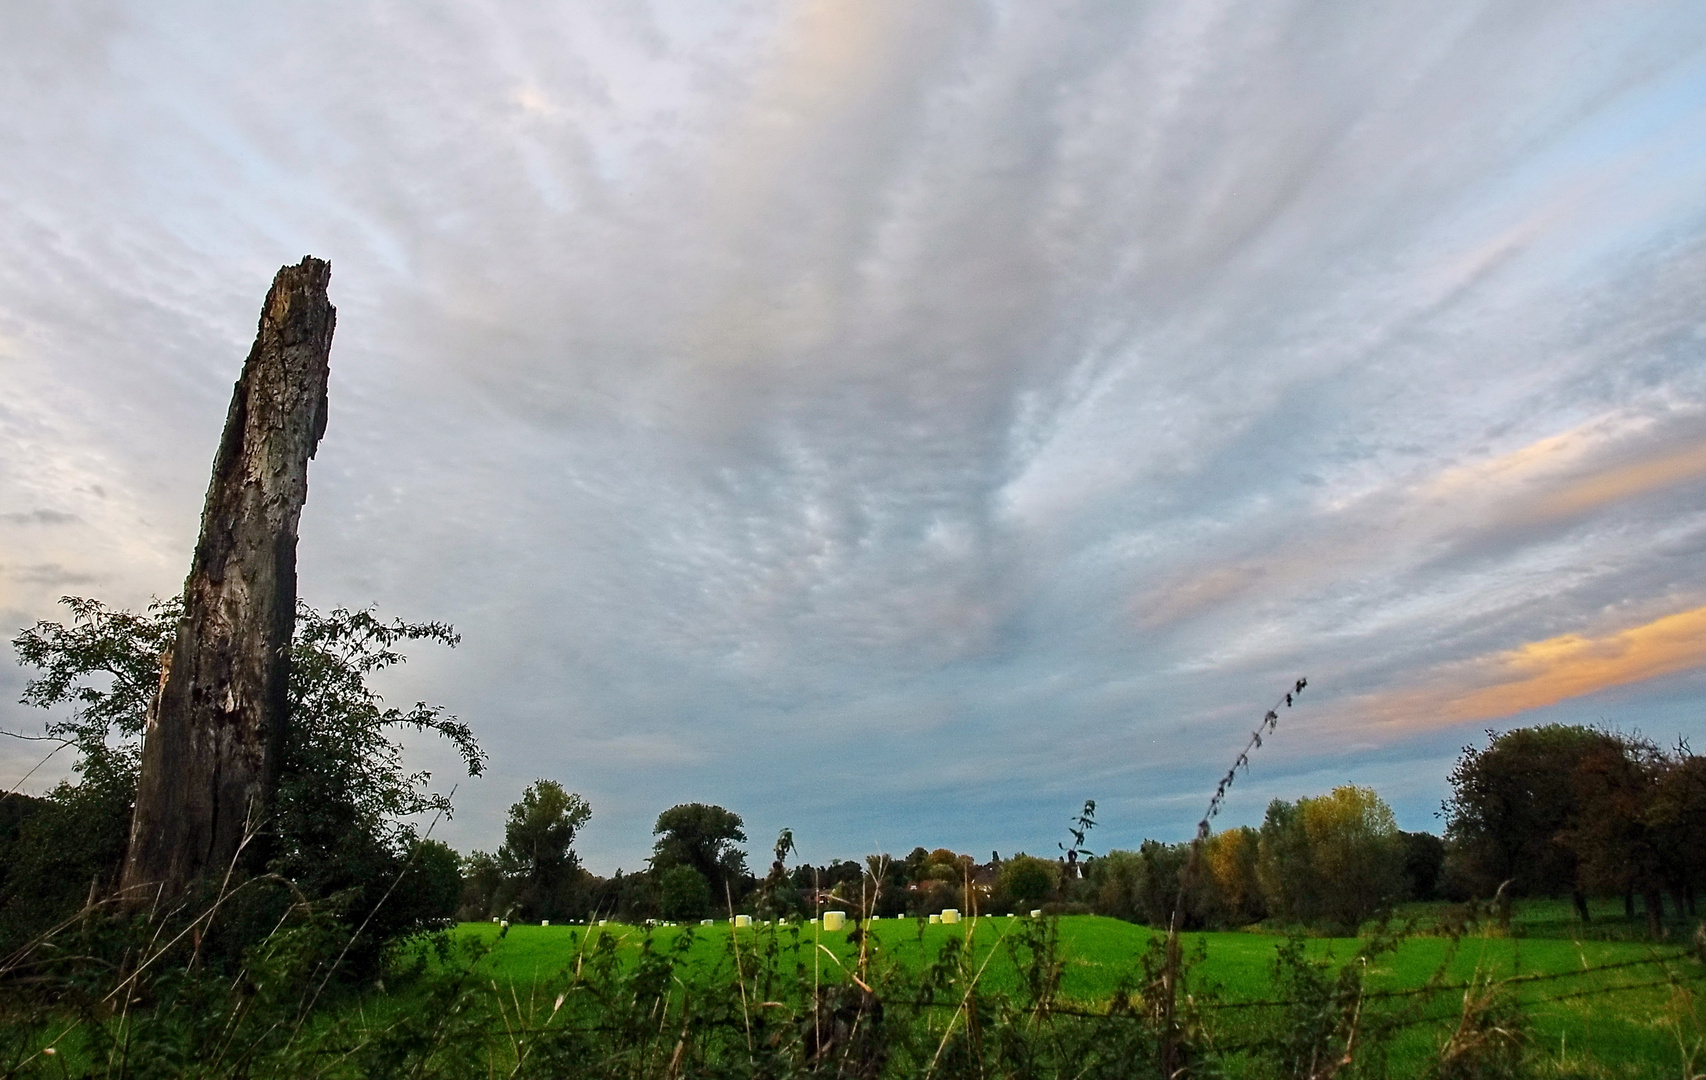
(1540, 811)
(1331, 861)
(1579, 811)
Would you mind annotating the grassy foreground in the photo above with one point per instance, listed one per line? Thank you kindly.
(1595, 1007)
(996, 998)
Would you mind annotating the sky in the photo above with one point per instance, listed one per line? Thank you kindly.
(899, 422)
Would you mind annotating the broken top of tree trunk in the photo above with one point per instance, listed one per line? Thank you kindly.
(210, 751)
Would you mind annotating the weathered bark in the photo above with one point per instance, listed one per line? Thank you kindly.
(210, 751)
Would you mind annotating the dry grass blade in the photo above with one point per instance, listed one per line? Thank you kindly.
(1170, 1049)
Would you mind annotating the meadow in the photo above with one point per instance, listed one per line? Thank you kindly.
(1594, 1005)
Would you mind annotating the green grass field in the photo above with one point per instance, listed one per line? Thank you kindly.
(1616, 1021)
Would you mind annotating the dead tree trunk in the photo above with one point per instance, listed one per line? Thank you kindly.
(210, 751)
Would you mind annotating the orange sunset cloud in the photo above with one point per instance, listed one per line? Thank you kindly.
(1555, 669)
(1625, 482)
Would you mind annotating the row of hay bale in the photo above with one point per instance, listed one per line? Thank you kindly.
(832, 920)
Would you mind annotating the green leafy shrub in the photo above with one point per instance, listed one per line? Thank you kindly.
(683, 893)
(338, 834)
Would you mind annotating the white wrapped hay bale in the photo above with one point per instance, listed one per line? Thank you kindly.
(742, 920)
(950, 915)
(834, 920)
(935, 919)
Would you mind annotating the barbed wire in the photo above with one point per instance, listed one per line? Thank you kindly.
(1080, 1012)
(1414, 991)
(510, 1027)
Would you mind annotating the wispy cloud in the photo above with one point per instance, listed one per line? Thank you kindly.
(976, 403)
(1625, 482)
(1542, 673)
(41, 516)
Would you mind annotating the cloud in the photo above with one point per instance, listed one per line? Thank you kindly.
(52, 575)
(864, 414)
(1625, 482)
(39, 517)
(1542, 673)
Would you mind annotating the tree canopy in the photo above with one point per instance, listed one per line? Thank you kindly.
(1511, 804)
(538, 842)
(705, 838)
(1554, 809)
(1335, 859)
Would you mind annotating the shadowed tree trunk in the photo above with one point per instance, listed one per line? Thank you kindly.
(210, 751)
(1653, 903)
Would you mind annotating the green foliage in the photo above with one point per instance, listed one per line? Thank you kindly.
(1324, 1027)
(1571, 809)
(1492, 1039)
(339, 829)
(1511, 804)
(1143, 885)
(535, 874)
(106, 664)
(1289, 883)
(683, 893)
(1158, 885)
(1080, 829)
(1612, 836)
(344, 802)
(1229, 889)
(1018, 998)
(1676, 813)
(433, 881)
(1114, 882)
(887, 879)
(540, 832)
(705, 838)
(1243, 876)
(537, 856)
(633, 897)
(1334, 860)
(1424, 865)
(1026, 881)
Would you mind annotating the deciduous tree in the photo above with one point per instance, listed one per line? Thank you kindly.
(683, 893)
(538, 850)
(706, 838)
(1026, 881)
(1511, 804)
(1333, 860)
